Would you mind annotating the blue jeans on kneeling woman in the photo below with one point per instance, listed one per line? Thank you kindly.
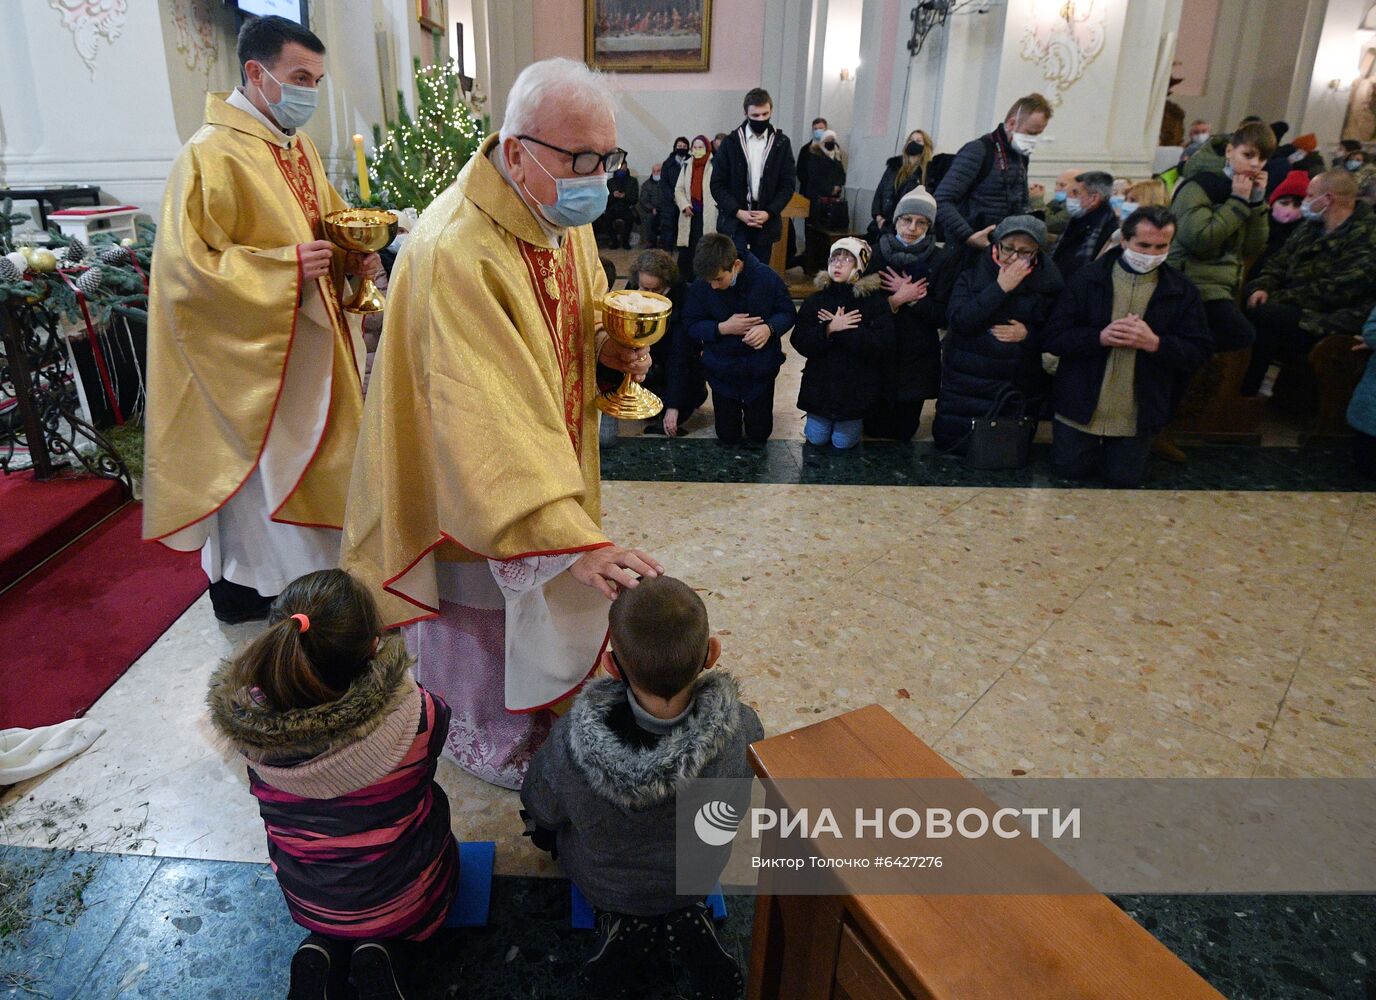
(841, 434)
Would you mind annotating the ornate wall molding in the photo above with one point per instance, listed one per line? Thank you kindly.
(89, 21)
(197, 34)
(1063, 46)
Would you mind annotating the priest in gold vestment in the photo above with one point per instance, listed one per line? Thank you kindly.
(475, 508)
(254, 370)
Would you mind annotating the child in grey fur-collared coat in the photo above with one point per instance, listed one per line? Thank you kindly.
(601, 793)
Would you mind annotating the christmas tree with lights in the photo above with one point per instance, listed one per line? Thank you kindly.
(421, 156)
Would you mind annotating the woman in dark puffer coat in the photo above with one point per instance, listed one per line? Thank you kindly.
(994, 323)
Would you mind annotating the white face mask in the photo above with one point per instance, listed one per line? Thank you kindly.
(1024, 143)
(1143, 263)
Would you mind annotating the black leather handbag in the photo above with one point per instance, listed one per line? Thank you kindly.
(1002, 438)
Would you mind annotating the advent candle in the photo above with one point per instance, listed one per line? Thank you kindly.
(365, 193)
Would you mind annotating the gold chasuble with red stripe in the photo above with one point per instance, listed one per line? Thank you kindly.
(225, 314)
(479, 437)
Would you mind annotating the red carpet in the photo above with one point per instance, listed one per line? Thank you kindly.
(72, 627)
(37, 519)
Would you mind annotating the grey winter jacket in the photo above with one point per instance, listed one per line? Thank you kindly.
(608, 788)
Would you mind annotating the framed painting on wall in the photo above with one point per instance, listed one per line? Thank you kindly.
(432, 15)
(648, 36)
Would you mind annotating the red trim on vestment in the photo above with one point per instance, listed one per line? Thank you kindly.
(445, 537)
(281, 384)
(573, 690)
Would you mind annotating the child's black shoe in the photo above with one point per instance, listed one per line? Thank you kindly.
(310, 970)
(370, 970)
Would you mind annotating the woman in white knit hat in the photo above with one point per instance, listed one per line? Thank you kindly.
(917, 277)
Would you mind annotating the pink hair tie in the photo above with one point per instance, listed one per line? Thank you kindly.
(304, 622)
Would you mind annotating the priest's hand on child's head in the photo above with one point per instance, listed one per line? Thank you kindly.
(611, 567)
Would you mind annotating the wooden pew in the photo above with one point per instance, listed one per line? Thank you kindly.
(856, 947)
(1214, 408)
(1337, 369)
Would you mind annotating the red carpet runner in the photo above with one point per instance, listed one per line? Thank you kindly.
(72, 627)
(38, 519)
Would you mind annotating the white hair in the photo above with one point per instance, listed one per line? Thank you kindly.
(543, 86)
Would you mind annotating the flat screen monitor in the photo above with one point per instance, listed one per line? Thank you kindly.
(292, 10)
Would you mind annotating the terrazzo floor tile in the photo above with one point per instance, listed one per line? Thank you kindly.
(1217, 680)
(73, 906)
(1056, 726)
(1010, 562)
(1329, 711)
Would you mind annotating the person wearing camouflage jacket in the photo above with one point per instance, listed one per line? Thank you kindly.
(1322, 281)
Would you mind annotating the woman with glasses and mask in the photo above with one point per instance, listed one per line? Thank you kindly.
(998, 310)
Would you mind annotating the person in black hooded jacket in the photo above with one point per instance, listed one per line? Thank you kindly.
(918, 276)
(994, 324)
(845, 330)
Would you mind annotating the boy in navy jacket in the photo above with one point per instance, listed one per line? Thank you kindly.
(739, 310)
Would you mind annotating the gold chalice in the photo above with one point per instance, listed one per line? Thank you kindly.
(362, 230)
(634, 319)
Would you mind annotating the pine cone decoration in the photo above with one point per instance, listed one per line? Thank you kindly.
(75, 253)
(8, 272)
(114, 256)
(89, 280)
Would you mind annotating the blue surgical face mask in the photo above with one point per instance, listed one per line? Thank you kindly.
(296, 105)
(1059, 196)
(1310, 213)
(1355, 165)
(1117, 201)
(1127, 208)
(1075, 207)
(578, 201)
(817, 134)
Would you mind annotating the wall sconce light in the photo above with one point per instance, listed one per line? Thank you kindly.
(847, 74)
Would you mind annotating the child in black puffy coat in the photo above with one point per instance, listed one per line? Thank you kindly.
(845, 330)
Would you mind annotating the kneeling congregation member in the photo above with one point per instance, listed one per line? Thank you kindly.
(738, 310)
(1127, 329)
(918, 276)
(993, 343)
(600, 794)
(341, 745)
(845, 330)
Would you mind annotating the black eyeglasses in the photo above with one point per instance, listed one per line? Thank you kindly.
(585, 162)
(1009, 251)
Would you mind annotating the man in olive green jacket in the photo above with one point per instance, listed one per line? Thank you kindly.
(1224, 220)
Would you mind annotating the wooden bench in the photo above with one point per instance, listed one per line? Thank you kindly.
(1214, 408)
(1319, 392)
(857, 947)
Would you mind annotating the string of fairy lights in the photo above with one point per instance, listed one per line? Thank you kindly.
(421, 156)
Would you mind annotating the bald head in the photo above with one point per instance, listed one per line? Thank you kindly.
(1338, 183)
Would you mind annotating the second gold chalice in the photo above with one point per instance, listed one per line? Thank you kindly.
(362, 230)
(634, 319)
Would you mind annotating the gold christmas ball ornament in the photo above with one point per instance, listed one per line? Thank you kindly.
(44, 261)
(26, 252)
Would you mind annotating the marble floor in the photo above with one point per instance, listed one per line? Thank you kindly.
(1057, 632)
(1214, 624)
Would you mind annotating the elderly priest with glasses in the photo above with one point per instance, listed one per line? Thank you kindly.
(474, 509)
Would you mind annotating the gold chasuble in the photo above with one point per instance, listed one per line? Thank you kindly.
(228, 308)
(479, 439)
